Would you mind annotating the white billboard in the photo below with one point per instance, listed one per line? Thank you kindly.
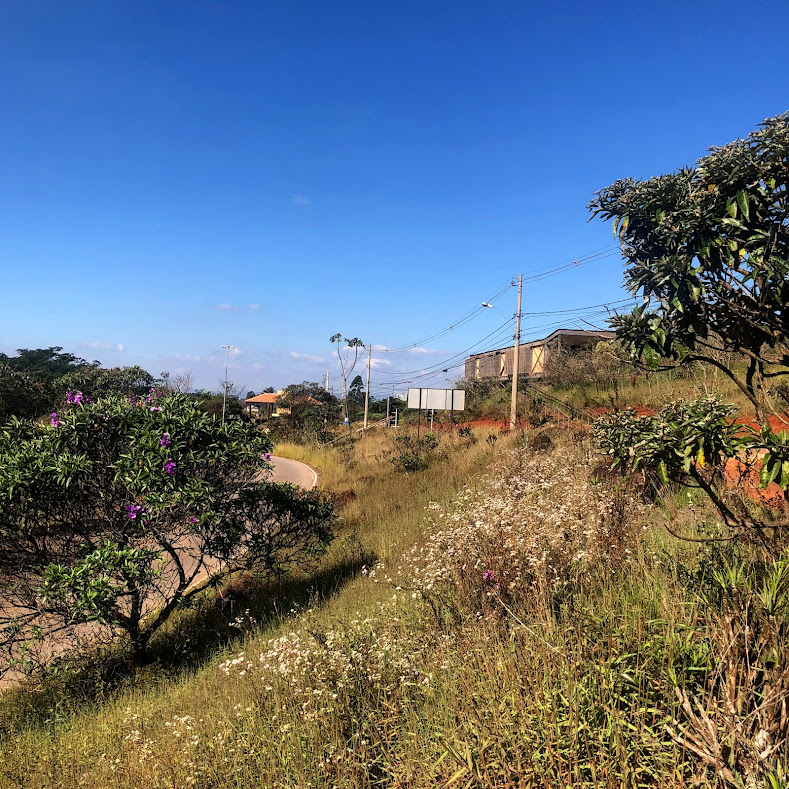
(440, 399)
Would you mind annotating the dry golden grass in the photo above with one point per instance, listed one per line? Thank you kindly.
(418, 677)
(68, 742)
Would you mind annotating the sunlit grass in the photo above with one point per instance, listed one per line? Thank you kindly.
(517, 623)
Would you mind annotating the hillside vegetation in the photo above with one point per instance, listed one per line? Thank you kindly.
(522, 619)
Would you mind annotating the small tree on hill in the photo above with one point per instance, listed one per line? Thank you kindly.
(707, 248)
(117, 511)
(347, 365)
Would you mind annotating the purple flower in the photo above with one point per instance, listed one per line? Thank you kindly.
(267, 455)
(156, 408)
(169, 467)
(489, 577)
(164, 441)
(133, 510)
(133, 400)
(74, 398)
(193, 519)
(54, 421)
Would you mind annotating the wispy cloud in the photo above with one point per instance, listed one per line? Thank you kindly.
(415, 349)
(427, 351)
(104, 346)
(380, 363)
(225, 306)
(300, 200)
(307, 357)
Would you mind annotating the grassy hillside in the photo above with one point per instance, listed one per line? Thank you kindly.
(521, 619)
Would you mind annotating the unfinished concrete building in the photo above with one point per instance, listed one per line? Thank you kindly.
(532, 355)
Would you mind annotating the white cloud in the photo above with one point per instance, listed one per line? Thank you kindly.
(380, 363)
(225, 306)
(307, 357)
(427, 350)
(415, 349)
(104, 346)
(300, 200)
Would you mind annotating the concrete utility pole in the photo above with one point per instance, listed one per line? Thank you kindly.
(224, 388)
(367, 391)
(516, 358)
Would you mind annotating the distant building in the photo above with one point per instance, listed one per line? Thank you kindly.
(262, 406)
(531, 355)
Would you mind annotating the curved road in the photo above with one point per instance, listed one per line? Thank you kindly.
(287, 470)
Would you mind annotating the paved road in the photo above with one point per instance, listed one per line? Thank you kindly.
(286, 470)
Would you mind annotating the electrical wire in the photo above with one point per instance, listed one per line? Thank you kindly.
(465, 318)
(499, 330)
(596, 255)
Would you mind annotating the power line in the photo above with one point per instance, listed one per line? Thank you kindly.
(443, 363)
(465, 318)
(496, 337)
(592, 257)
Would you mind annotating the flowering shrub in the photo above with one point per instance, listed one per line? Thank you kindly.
(376, 660)
(533, 526)
(114, 512)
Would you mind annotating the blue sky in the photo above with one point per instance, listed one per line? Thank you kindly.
(175, 176)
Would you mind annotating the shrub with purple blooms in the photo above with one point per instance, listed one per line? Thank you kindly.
(114, 512)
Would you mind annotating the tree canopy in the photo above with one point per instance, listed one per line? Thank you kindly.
(707, 247)
(46, 363)
(307, 412)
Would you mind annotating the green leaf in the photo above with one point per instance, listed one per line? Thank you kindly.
(663, 472)
(742, 202)
(651, 356)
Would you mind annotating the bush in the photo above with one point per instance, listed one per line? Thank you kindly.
(113, 513)
(417, 454)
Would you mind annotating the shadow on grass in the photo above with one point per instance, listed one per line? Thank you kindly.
(217, 620)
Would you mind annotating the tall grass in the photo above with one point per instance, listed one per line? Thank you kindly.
(522, 625)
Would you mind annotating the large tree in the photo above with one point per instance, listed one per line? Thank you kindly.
(707, 247)
(114, 512)
(46, 363)
(100, 382)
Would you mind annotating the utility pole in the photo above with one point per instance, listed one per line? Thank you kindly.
(224, 388)
(367, 391)
(516, 358)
